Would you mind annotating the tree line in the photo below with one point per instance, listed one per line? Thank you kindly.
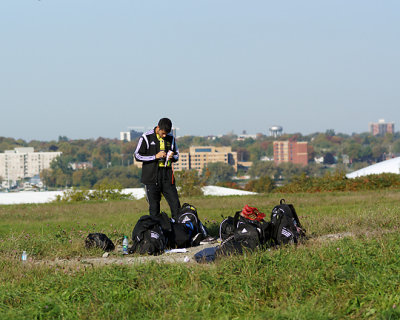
(111, 159)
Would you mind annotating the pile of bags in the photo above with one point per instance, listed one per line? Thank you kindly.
(246, 230)
(153, 234)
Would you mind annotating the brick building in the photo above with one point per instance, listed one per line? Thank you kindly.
(291, 151)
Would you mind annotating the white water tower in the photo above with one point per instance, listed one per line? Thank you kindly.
(275, 131)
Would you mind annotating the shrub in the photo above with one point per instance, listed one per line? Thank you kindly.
(189, 183)
(339, 182)
(262, 185)
(103, 191)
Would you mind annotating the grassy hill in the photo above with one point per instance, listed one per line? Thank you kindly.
(349, 268)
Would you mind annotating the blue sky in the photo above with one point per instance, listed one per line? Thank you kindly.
(91, 68)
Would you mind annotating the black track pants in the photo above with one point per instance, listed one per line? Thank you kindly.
(168, 190)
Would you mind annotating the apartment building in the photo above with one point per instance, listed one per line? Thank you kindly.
(198, 157)
(291, 151)
(381, 128)
(183, 163)
(22, 163)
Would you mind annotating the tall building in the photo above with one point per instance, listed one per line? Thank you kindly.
(291, 151)
(22, 163)
(381, 127)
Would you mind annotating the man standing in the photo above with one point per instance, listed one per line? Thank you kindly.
(157, 150)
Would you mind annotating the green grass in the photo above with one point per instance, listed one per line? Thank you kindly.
(356, 277)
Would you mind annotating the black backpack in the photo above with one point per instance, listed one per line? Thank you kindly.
(148, 236)
(285, 224)
(188, 229)
(226, 228)
(239, 232)
(251, 233)
(99, 240)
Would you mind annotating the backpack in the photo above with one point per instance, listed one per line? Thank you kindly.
(99, 240)
(285, 224)
(188, 229)
(148, 236)
(181, 236)
(247, 235)
(251, 233)
(241, 231)
(226, 228)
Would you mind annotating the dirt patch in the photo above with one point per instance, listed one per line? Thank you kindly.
(117, 258)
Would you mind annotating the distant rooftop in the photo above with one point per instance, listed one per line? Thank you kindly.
(21, 150)
(388, 166)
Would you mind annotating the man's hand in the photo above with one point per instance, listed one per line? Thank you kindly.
(161, 155)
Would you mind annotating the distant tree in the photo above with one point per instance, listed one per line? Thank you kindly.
(97, 163)
(82, 157)
(66, 148)
(217, 172)
(352, 149)
(377, 151)
(256, 153)
(263, 168)
(321, 143)
(330, 132)
(225, 140)
(62, 163)
(84, 178)
(310, 152)
(77, 179)
(62, 179)
(185, 142)
(388, 139)
(63, 138)
(270, 150)
(288, 170)
(127, 150)
(365, 153)
(189, 183)
(314, 170)
(396, 146)
(48, 178)
(105, 153)
(263, 184)
(128, 177)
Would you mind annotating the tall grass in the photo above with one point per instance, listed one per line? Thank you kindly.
(354, 277)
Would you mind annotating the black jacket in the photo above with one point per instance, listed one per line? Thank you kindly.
(146, 150)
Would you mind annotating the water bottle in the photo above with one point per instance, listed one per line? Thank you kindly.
(125, 245)
(24, 256)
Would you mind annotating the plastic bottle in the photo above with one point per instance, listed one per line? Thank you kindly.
(24, 256)
(125, 245)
